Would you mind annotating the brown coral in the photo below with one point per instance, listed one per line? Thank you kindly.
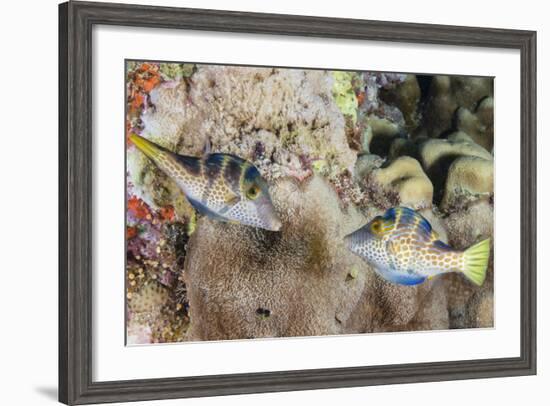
(446, 95)
(406, 177)
(478, 124)
(437, 155)
(469, 178)
(301, 275)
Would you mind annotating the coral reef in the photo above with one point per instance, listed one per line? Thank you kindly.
(470, 178)
(405, 95)
(337, 149)
(439, 155)
(379, 122)
(406, 178)
(446, 95)
(479, 124)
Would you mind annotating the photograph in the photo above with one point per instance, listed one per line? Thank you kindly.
(258, 203)
(275, 202)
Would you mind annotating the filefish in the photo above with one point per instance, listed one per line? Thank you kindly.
(403, 248)
(221, 186)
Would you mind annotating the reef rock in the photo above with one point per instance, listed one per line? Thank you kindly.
(469, 305)
(378, 121)
(405, 96)
(469, 178)
(144, 313)
(385, 307)
(406, 178)
(246, 282)
(437, 155)
(446, 95)
(366, 163)
(479, 124)
(405, 147)
(432, 313)
(380, 133)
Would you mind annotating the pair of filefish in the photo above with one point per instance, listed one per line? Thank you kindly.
(401, 245)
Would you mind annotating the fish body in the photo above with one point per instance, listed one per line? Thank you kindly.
(403, 248)
(221, 186)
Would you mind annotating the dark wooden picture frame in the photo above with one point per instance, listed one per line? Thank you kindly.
(76, 20)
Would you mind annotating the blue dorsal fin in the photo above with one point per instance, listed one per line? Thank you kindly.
(215, 159)
(425, 227)
(410, 216)
(390, 213)
(213, 165)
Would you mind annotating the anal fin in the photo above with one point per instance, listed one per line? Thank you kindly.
(402, 278)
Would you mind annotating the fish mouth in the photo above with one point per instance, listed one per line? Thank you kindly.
(267, 214)
(146, 146)
(275, 225)
(271, 222)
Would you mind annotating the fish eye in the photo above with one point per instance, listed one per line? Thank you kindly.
(253, 192)
(376, 226)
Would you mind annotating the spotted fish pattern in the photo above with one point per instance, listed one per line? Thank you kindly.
(221, 186)
(403, 248)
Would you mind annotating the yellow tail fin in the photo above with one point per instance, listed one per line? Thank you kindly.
(476, 259)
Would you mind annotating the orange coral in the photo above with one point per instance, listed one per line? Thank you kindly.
(137, 101)
(131, 232)
(167, 213)
(139, 208)
(146, 77)
(140, 82)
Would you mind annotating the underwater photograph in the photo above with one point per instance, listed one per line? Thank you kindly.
(266, 202)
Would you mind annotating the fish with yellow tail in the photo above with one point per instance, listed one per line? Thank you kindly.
(402, 248)
(221, 186)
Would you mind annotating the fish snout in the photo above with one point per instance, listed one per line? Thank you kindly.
(276, 224)
(269, 217)
(150, 149)
(272, 220)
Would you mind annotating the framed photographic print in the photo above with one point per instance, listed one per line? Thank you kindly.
(257, 202)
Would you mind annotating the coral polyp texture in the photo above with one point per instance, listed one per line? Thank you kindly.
(316, 155)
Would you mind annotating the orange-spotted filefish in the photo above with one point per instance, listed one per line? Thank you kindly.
(221, 186)
(402, 248)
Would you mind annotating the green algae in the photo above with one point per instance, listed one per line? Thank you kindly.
(344, 94)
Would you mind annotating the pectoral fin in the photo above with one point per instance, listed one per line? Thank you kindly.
(231, 198)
